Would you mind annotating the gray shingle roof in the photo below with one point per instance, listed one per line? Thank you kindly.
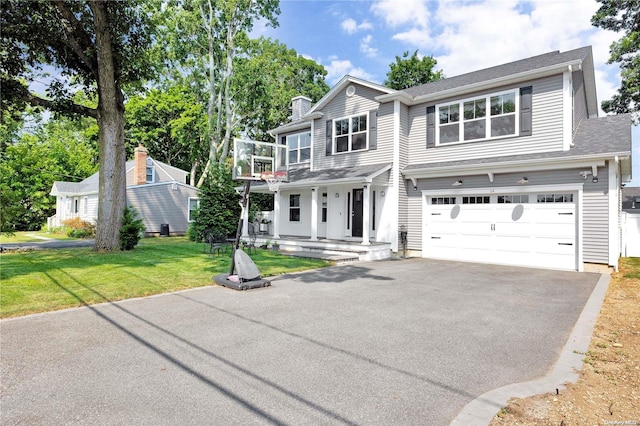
(606, 136)
(524, 65)
(304, 177)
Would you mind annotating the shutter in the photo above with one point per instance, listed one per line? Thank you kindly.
(329, 147)
(431, 127)
(283, 140)
(373, 131)
(525, 111)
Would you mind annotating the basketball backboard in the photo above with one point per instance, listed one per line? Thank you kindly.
(252, 158)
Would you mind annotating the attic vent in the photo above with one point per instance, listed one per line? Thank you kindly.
(351, 90)
(174, 186)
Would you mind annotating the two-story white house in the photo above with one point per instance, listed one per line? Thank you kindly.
(507, 165)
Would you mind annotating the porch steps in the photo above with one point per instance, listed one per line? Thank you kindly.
(337, 258)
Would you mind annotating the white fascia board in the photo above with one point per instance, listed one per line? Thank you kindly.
(305, 122)
(510, 166)
(566, 187)
(344, 81)
(342, 181)
(482, 85)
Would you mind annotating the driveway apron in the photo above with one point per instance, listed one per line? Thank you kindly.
(388, 342)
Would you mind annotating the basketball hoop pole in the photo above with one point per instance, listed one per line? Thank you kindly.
(243, 203)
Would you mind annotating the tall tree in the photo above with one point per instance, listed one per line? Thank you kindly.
(98, 46)
(62, 149)
(268, 75)
(623, 16)
(203, 35)
(410, 71)
(170, 124)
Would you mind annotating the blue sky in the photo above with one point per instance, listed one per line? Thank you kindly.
(361, 38)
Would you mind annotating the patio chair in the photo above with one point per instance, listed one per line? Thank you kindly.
(218, 242)
(248, 245)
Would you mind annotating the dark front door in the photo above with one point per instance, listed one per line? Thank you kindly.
(356, 213)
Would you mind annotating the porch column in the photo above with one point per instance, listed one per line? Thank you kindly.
(314, 214)
(276, 214)
(366, 214)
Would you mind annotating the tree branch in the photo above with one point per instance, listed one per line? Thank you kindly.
(66, 107)
(75, 35)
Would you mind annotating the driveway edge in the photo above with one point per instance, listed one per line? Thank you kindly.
(481, 410)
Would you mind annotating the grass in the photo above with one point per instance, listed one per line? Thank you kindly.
(47, 280)
(31, 237)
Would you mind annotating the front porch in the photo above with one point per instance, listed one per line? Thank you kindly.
(353, 249)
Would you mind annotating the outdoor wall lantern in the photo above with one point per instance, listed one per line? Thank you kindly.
(457, 183)
(523, 180)
(337, 195)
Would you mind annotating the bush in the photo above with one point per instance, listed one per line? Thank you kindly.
(132, 229)
(78, 228)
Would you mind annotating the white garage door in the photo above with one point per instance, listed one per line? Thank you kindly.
(536, 230)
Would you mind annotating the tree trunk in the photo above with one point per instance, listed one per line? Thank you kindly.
(112, 181)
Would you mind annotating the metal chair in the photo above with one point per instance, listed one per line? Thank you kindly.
(248, 245)
(218, 242)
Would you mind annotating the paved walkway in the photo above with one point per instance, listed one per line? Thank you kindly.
(389, 342)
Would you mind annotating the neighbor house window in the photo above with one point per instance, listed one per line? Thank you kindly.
(350, 133)
(150, 171)
(294, 208)
(299, 147)
(490, 116)
(194, 203)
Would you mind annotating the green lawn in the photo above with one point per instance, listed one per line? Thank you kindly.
(31, 237)
(46, 280)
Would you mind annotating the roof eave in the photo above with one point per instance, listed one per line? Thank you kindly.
(516, 166)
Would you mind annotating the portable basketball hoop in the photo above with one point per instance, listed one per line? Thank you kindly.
(274, 179)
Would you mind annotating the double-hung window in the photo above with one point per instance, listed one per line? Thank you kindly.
(490, 116)
(150, 171)
(350, 133)
(194, 203)
(294, 208)
(299, 147)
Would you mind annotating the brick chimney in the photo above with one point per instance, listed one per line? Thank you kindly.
(299, 107)
(140, 165)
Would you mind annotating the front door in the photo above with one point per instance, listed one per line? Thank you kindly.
(356, 213)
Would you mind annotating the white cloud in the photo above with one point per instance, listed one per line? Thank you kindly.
(338, 68)
(350, 26)
(367, 48)
(401, 12)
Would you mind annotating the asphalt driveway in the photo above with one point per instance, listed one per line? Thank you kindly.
(389, 342)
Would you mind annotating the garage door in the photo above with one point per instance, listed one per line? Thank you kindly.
(536, 230)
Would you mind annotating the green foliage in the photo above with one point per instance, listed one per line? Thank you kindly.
(170, 123)
(58, 150)
(78, 228)
(219, 203)
(268, 75)
(410, 71)
(132, 229)
(623, 16)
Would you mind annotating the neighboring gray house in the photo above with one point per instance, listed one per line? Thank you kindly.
(506, 165)
(631, 199)
(156, 190)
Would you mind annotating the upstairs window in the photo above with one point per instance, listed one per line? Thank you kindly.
(299, 147)
(350, 133)
(490, 116)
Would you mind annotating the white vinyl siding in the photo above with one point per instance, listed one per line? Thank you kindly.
(546, 122)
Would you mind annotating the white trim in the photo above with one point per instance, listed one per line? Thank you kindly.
(334, 140)
(567, 187)
(396, 176)
(487, 118)
(567, 110)
(313, 131)
(580, 231)
(314, 214)
(189, 207)
(518, 166)
(614, 217)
